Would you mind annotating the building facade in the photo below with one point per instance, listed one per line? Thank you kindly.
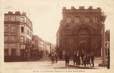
(35, 52)
(81, 30)
(17, 35)
(41, 48)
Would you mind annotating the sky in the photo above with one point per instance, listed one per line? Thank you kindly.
(46, 14)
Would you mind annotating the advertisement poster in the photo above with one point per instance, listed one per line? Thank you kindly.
(56, 36)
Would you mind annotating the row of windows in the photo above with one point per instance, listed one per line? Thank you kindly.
(14, 18)
(78, 19)
(18, 18)
(14, 52)
(10, 38)
(10, 28)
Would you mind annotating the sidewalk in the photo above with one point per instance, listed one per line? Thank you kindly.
(61, 65)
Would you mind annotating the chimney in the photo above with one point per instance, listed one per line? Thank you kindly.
(72, 7)
(17, 13)
(90, 7)
(10, 12)
(81, 7)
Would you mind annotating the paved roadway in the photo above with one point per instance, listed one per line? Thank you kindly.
(19, 67)
(45, 65)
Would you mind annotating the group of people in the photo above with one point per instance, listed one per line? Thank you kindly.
(53, 57)
(79, 58)
(85, 59)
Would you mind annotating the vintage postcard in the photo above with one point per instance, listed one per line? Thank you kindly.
(56, 36)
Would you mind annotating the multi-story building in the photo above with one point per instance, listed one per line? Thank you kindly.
(41, 48)
(35, 53)
(38, 47)
(81, 30)
(48, 48)
(17, 35)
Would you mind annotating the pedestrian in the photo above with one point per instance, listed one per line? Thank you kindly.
(52, 58)
(92, 59)
(67, 59)
(88, 60)
(78, 58)
(74, 58)
(82, 56)
(56, 58)
(84, 60)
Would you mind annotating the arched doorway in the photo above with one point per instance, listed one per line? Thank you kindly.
(84, 40)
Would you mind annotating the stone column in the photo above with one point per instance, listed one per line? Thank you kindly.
(103, 49)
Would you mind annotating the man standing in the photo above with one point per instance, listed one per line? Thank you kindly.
(67, 57)
(74, 58)
(92, 58)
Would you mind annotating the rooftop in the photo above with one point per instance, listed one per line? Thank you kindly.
(82, 8)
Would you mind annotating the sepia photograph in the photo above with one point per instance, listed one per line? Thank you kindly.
(56, 36)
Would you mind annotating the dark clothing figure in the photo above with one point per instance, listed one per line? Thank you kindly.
(92, 59)
(84, 60)
(78, 60)
(75, 59)
(67, 57)
(56, 58)
(88, 60)
(52, 58)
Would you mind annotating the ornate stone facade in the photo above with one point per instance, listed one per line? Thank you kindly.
(81, 29)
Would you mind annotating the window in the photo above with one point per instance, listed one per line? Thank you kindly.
(6, 18)
(12, 39)
(95, 19)
(22, 39)
(12, 18)
(76, 19)
(6, 28)
(17, 18)
(6, 52)
(22, 29)
(6, 38)
(13, 28)
(22, 19)
(86, 19)
(22, 52)
(22, 46)
(13, 52)
(68, 20)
